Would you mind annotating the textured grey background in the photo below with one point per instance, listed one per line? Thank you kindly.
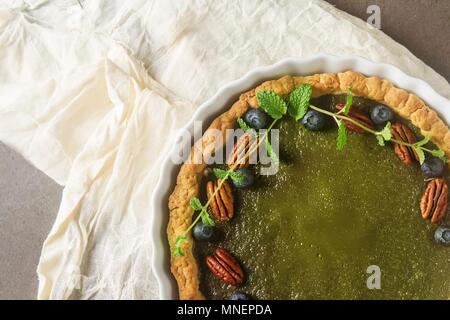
(420, 25)
(29, 200)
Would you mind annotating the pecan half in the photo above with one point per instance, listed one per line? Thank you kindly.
(222, 204)
(358, 116)
(434, 201)
(225, 267)
(403, 133)
(240, 155)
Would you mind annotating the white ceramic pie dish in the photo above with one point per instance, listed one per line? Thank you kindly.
(224, 99)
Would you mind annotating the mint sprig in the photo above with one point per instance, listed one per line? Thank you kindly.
(270, 152)
(299, 101)
(348, 102)
(180, 240)
(196, 204)
(342, 135)
(177, 250)
(204, 215)
(422, 142)
(380, 141)
(206, 218)
(417, 147)
(385, 134)
(420, 150)
(236, 176)
(439, 154)
(220, 173)
(243, 125)
(420, 153)
(272, 104)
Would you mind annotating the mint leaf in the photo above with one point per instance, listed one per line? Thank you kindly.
(386, 133)
(380, 140)
(422, 142)
(220, 174)
(270, 151)
(243, 125)
(206, 218)
(196, 204)
(342, 136)
(177, 252)
(299, 101)
(420, 153)
(272, 104)
(246, 128)
(439, 154)
(418, 148)
(348, 102)
(223, 174)
(180, 240)
(236, 176)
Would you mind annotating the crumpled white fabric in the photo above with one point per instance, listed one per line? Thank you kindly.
(93, 96)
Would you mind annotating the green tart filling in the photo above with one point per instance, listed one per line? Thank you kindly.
(312, 230)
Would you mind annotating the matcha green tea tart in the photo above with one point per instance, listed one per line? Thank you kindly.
(357, 208)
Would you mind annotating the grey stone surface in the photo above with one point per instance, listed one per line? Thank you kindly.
(29, 200)
(420, 25)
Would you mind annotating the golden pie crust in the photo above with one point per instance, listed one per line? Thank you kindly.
(405, 104)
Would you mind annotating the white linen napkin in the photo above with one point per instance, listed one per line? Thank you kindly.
(93, 95)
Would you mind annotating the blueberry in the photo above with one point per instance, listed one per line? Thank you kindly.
(248, 180)
(256, 118)
(433, 167)
(239, 296)
(381, 114)
(442, 235)
(203, 232)
(314, 120)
